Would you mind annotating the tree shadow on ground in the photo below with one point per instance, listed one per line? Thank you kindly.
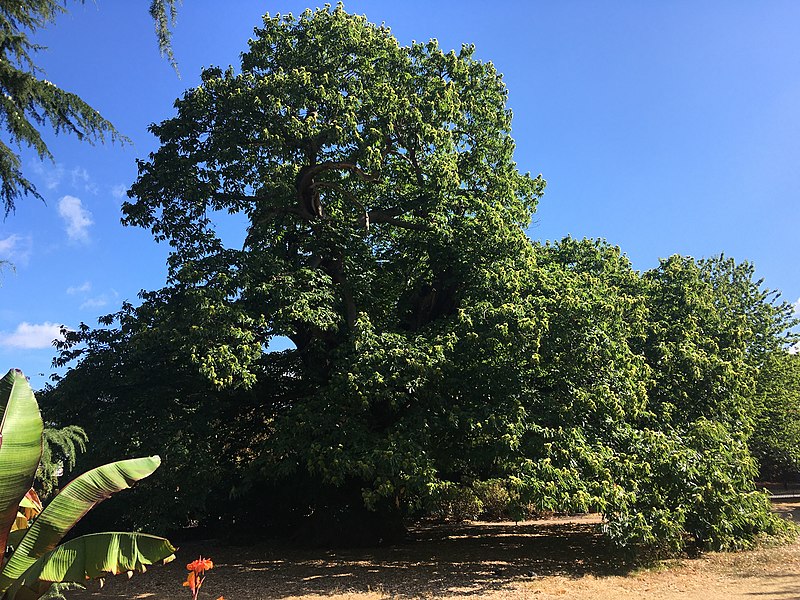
(436, 560)
(789, 510)
(784, 586)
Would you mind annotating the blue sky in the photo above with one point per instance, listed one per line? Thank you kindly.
(670, 127)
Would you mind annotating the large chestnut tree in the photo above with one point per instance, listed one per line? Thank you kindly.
(360, 198)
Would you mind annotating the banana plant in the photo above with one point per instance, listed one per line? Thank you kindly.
(31, 555)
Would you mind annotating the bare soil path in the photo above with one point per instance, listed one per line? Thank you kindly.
(560, 558)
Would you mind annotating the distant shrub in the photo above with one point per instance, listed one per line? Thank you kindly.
(454, 502)
(496, 500)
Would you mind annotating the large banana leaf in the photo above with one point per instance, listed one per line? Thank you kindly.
(89, 557)
(67, 508)
(20, 447)
(15, 537)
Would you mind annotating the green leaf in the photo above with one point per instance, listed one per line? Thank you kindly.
(75, 500)
(20, 447)
(89, 557)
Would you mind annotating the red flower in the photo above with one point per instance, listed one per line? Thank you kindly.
(200, 565)
(191, 582)
(197, 574)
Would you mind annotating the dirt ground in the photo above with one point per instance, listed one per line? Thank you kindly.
(560, 558)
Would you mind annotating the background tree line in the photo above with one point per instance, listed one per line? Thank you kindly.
(443, 363)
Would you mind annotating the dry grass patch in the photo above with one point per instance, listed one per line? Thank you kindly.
(537, 560)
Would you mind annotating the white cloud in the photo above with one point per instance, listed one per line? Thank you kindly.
(119, 191)
(31, 335)
(76, 218)
(7, 245)
(86, 286)
(82, 180)
(16, 248)
(794, 348)
(101, 300)
(52, 175)
(796, 307)
(98, 302)
(79, 174)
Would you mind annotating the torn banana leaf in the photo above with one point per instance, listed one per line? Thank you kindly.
(90, 557)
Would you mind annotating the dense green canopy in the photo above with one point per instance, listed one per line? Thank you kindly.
(442, 362)
(776, 436)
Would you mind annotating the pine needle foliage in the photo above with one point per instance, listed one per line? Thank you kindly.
(164, 14)
(60, 447)
(56, 591)
(30, 103)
